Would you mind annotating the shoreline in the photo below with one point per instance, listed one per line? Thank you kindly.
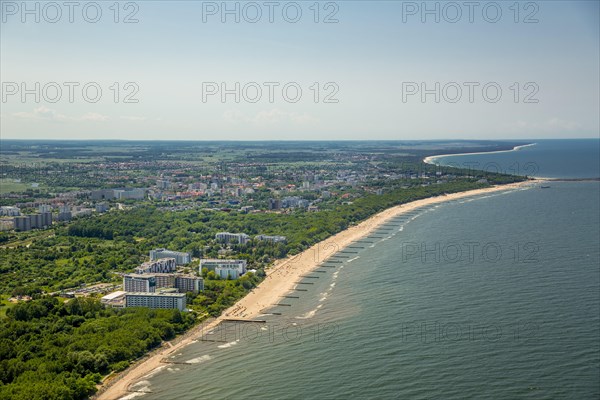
(431, 159)
(280, 279)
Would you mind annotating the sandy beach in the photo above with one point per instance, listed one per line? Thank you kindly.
(281, 278)
(431, 159)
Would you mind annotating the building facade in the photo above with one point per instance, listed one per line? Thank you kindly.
(156, 300)
(10, 211)
(139, 283)
(164, 265)
(22, 223)
(212, 264)
(32, 221)
(115, 299)
(102, 194)
(238, 238)
(135, 194)
(272, 239)
(43, 208)
(227, 272)
(189, 283)
(181, 258)
(164, 280)
(152, 283)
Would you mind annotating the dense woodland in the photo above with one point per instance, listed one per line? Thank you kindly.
(55, 350)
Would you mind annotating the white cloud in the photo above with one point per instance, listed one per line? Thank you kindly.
(551, 125)
(133, 118)
(273, 117)
(93, 117)
(48, 114)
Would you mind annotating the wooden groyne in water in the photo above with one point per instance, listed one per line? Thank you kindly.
(256, 321)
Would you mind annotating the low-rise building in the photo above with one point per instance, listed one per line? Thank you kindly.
(115, 299)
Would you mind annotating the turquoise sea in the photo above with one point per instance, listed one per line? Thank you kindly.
(488, 297)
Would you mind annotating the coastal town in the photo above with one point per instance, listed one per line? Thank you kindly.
(243, 200)
(250, 183)
(98, 240)
(32, 199)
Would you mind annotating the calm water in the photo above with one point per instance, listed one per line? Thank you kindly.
(547, 158)
(487, 297)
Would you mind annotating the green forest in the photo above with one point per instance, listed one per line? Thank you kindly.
(55, 350)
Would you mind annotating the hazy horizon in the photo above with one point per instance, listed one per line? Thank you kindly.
(351, 71)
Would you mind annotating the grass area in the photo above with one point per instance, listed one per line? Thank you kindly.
(5, 305)
(27, 238)
(26, 157)
(9, 185)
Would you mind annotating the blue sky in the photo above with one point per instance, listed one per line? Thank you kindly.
(369, 61)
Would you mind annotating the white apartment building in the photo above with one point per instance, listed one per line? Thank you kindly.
(212, 264)
(139, 283)
(181, 258)
(189, 283)
(164, 265)
(156, 300)
(183, 283)
(226, 237)
(225, 272)
(272, 239)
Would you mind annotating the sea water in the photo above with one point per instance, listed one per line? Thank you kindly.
(493, 296)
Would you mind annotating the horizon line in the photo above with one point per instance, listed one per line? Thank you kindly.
(291, 140)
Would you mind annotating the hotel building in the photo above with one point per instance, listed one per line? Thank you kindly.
(139, 283)
(189, 283)
(164, 265)
(223, 265)
(181, 258)
(183, 283)
(226, 237)
(156, 300)
(272, 239)
(225, 272)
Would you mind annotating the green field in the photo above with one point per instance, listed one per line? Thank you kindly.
(9, 185)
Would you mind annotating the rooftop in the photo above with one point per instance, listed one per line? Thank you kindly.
(155, 294)
(114, 295)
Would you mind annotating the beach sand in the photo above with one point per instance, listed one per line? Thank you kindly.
(281, 278)
(432, 159)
